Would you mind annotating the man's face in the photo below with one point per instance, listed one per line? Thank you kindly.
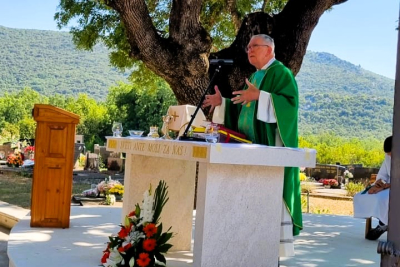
(258, 52)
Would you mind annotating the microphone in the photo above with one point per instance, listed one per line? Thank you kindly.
(219, 61)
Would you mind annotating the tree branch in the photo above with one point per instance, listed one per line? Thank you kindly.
(231, 5)
(293, 28)
(264, 5)
(185, 20)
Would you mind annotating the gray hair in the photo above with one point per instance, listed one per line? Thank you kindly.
(268, 39)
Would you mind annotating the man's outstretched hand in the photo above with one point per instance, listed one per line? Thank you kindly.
(245, 96)
(213, 100)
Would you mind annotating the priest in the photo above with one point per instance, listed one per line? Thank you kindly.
(266, 111)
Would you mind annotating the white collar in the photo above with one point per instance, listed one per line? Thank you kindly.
(268, 64)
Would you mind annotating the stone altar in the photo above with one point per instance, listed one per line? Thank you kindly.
(239, 194)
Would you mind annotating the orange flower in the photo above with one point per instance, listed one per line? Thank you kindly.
(149, 244)
(143, 260)
(105, 257)
(150, 229)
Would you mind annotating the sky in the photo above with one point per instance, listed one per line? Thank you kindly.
(362, 32)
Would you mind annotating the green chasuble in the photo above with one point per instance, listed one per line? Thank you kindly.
(280, 83)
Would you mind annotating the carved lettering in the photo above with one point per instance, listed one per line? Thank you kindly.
(177, 150)
(166, 149)
(126, 145)
(139, 146)
(155, 148)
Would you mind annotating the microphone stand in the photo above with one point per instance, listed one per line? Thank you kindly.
(184, 137)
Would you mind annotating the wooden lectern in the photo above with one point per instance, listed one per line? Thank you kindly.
(52, 173)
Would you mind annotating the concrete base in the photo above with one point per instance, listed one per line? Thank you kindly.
(81, 245)
(326, 241)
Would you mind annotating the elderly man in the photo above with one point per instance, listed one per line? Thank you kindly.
(266, 111)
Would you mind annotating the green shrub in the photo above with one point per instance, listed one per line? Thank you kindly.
(354, 188)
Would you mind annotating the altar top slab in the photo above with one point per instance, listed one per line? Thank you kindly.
(219, 153)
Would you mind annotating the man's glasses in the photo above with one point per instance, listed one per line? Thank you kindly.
(251, 47)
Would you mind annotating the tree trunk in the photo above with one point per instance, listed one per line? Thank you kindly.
(182, 58)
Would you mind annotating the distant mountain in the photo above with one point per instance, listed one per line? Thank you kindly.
(48, 62)
(339, 97)
(335, 95)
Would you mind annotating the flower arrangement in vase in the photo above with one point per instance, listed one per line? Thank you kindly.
(14, 160)
(30, 150)
(141, 242)
(329, 183)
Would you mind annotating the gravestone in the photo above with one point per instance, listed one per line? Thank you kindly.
(92, 162)
(115, 162)
(5, 150)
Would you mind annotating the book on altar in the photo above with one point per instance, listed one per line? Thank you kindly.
(225, 135)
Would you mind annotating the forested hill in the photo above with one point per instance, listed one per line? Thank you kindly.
(339, 97)
(335, 95)
(48, 62)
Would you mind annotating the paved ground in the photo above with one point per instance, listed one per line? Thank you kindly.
(326, 241)
(3, 246)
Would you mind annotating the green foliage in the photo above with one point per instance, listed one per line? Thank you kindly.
(341, 98)
(354, 188)
(98, 23)
(333, 148)
(48, 62)
(335, 96)
(139, 108)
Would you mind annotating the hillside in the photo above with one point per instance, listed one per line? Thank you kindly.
(335, 95)
(339, 97)
(48, 62)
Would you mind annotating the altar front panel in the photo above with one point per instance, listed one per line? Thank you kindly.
(179, 175)
(238, 215)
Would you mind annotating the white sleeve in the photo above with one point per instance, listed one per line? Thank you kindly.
(219, 113)
(265, 112)
(384, 171)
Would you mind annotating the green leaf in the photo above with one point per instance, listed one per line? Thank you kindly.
(160, 257)
(164, 238)
(164, 248)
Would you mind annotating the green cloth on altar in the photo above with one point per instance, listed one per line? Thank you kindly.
(280, 83)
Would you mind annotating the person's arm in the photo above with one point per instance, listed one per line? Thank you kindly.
(384, 171)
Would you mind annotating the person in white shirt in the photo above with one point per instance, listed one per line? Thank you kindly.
(374, 202)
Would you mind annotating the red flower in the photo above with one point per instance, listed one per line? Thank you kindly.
(133, 213)
(150, 229)
(106, 254)
(125, 248)
(124, 232)
(143, 260)
(149, 244)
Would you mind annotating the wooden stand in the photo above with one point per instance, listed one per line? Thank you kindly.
(52, 173)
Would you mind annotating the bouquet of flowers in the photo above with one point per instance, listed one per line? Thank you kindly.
(140, 242)
(331, 182)
(108, 184)
(348, 174)
(14, 160)
(117, 189)
(29, 150)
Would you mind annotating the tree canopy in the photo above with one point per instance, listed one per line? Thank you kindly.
(175, 39)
